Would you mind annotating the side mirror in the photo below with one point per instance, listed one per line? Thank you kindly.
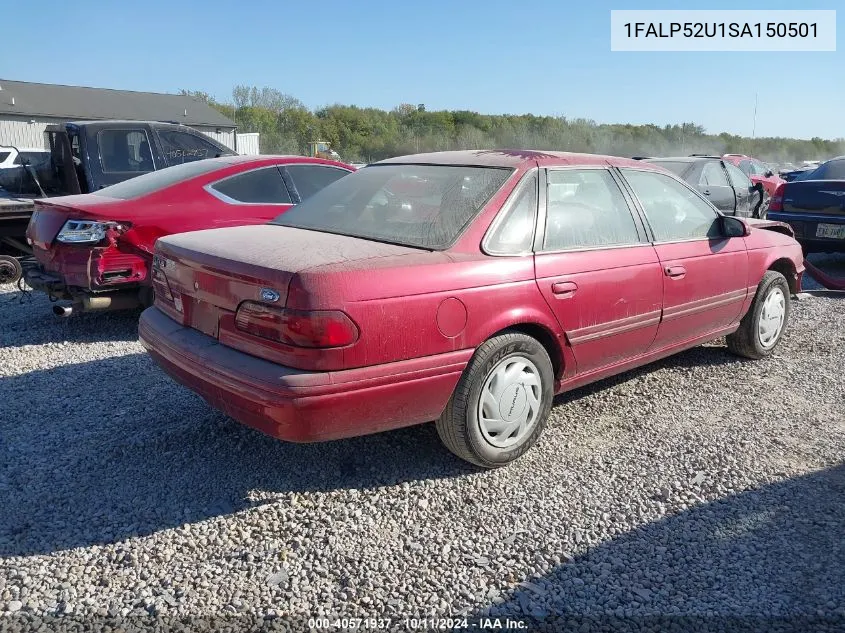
(734, 227)
(769, 173)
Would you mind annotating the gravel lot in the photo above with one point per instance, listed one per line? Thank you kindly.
(703, 492)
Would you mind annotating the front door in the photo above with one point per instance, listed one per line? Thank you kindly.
(596, 269)
(705, 274)
(713, 184)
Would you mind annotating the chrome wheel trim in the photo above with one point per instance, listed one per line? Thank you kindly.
(510, 402)
(772, 317)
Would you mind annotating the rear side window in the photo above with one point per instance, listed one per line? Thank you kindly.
(259, 186)
(4, 156)
(586, 209)
(124, 151)
(712, 175)
(309, 179)
(673, 210)
(184, 147)
(515, 234)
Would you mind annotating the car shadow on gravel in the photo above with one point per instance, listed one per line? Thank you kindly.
(781, 546)
(709, 355)
(35, 324)
(98, 452)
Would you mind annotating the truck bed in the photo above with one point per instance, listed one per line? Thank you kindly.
(15, 212)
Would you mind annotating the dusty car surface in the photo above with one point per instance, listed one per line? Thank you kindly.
(95, 250)
(498, 280)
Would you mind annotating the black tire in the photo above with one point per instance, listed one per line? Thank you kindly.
(10, 269)
(459, 427)
(746, 341)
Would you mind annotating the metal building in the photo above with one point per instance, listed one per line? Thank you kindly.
(27, 108)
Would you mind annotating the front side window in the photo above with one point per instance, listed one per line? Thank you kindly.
(184, 147)
(515, 234)
(259, 186)
(712, 175)
(424, 206)
(309, 179)
(673, 210)
(586, 209)
(124, 151)
(739, 179)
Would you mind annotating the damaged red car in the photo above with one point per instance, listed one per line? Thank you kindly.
(95, 250)
(498, 280)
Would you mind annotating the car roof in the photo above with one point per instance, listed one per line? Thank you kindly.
(683, 159)
(239, 159)
(512, 158)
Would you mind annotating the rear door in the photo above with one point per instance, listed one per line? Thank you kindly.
(250, 197)
(713, 183)
(596, 269)
(704, 274)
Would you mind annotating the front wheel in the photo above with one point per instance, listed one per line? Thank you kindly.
(501, 403)
(765, 322)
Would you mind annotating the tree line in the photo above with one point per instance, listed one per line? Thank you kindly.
(286, 126)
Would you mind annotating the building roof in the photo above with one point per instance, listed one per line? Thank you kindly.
(78, 102)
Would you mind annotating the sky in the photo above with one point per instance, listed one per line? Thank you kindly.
(491, 56)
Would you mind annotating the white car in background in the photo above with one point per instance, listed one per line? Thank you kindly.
(15, 156)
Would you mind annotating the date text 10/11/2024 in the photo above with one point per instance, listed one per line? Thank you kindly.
(721, 29)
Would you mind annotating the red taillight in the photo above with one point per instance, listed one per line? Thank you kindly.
(300, 328)
(776, 203)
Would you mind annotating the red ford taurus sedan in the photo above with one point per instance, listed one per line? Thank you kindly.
(498, 280)
(95, 250)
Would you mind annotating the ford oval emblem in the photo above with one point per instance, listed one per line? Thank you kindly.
(268, 294)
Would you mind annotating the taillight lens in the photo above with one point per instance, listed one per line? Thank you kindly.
(776, 203)
(300, 328)
(88, 231)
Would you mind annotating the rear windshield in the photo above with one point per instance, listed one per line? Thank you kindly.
(156, 180)
(425, 206)
(676, 167)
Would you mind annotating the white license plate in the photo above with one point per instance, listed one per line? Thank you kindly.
(831, 231)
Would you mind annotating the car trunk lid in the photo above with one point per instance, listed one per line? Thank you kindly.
(826, 197)
(209, 273)
(51, 214)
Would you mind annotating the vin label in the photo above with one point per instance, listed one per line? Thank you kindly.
(723, 30)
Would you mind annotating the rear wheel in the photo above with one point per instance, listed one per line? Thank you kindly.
(10, 269)
(502, 402)
(765, 322)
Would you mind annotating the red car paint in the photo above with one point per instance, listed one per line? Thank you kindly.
(421, 314)
(756, 172)
(123, 259)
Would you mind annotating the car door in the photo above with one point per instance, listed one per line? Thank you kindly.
(713, 184)
(705, 274)
(249, 197)
(747, 197)
(595, 267)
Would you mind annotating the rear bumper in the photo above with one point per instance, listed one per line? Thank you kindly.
(296, 405)
(805, 227)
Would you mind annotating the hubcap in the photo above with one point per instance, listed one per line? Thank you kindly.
(771, 318)
(510, 402)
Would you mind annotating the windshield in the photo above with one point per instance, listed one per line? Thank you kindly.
(157, 180)
(425, 206)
